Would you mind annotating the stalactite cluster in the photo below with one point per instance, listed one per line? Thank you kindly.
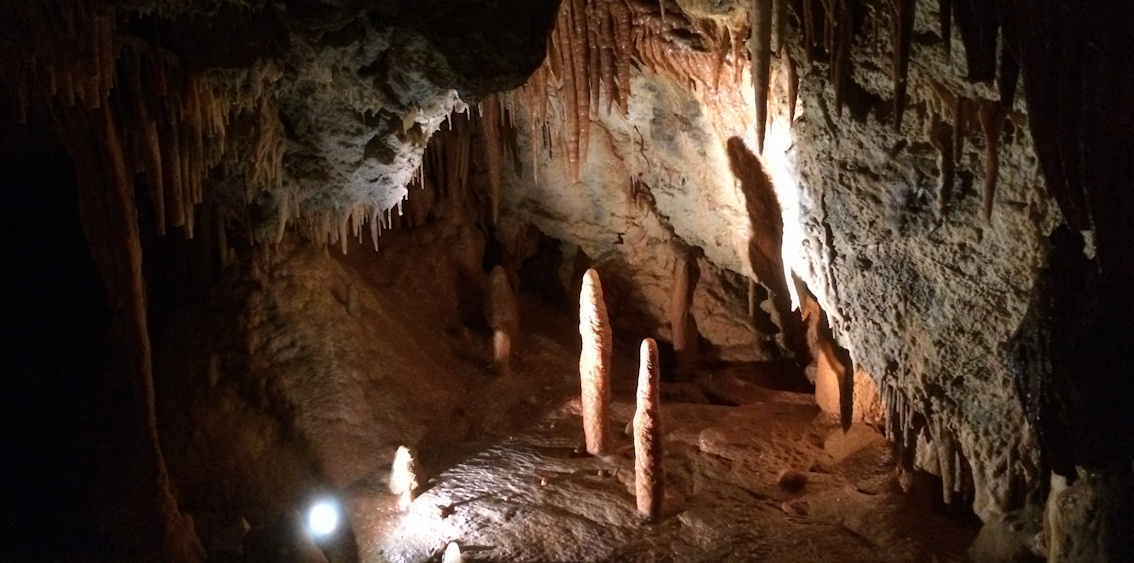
(905, 423)
(590, 54)
(173, 122)
(950, 141)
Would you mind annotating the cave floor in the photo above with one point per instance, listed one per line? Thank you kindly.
(528, 494)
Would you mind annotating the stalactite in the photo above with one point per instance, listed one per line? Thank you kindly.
(793, 85)
(809, 31)
(839, 37)
(1009, 53)
(493, 145)
(947, 458)
(649, 473)
(779, 25)
(992, 122)
(901, 37)
(979, 25)
(945, 21)
(760, 42)
(594, 364)
(171, 169)
(622, 52)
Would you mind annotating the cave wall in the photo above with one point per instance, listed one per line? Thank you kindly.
(920, 288)
(925, 299)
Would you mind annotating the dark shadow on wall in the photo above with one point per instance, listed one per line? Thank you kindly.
(764, 247)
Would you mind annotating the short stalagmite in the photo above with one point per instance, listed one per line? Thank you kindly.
(405, 480)
(501, 352)
(594, 364)
(649, 475)
(502, 312)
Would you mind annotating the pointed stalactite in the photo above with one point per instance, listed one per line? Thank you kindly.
(760, 42)
(594, 364)
(793, 85)
(840, 30)
(649, 473)
(171, 170)
(1009, 76)
(623, 42)
(779, 25)
(811, 21)
(901, 39)
(945, 21)
(490, 119)
(979, 26)
(581, 80)
(992, 122)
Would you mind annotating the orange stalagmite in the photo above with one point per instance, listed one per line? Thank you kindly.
(594, 364)
(649, 475)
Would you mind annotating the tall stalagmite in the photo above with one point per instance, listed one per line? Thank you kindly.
(594, 364)
(649, 475)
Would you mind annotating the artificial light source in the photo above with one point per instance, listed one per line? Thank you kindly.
(322, 519)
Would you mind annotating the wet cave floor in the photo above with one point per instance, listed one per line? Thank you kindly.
(529, 494)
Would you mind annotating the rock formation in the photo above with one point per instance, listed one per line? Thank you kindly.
(594, 364)
(967, 249)
(649, 473)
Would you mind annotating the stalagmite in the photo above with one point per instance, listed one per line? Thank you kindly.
(502, 312)
(452, 554)
(405, 478)
(760, 42)
(649, 474)
(992, 122)
(594, 364)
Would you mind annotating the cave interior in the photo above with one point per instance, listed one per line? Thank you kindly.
(567, 280)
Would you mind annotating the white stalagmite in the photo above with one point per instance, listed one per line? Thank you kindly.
(405, 480)
(594, 364)
(649, 475)
(452, 553)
